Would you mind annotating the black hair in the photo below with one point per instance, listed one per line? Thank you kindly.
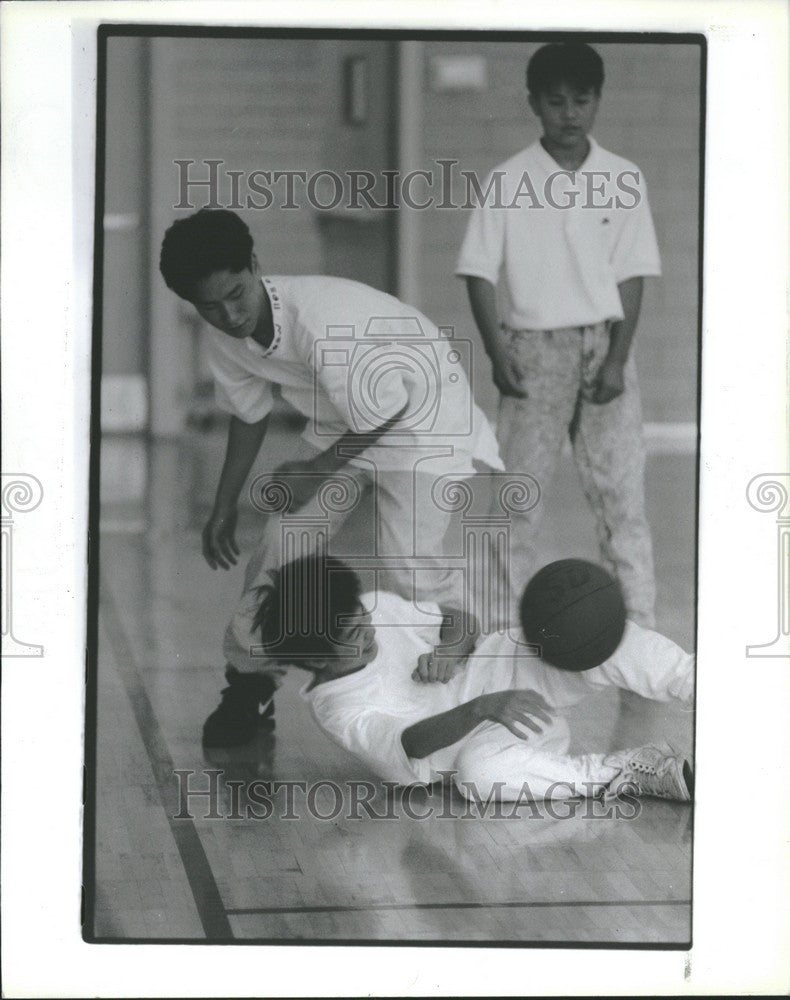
(574, 63)
(208, 241)
(302, 611)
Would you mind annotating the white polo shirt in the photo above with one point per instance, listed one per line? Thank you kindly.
(562, 241)
(348, 357)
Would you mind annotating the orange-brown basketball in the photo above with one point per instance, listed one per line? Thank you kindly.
(574, 611)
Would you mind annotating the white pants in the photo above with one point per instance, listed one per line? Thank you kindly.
(492, 761)
(410, 529)
(510, 769)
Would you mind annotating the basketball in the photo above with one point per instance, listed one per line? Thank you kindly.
(574, 611)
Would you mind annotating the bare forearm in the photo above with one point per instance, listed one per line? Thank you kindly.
(244, 443)
(482, 299)
(459, 632)
(504, 371)
(622, 332)
(439, 731)
(518, 710)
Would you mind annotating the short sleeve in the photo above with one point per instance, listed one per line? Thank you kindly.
(635, 253)
(241, 393)
(482, 250)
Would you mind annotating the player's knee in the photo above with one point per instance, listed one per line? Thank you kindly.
(475, 774)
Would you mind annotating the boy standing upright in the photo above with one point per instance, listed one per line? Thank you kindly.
(569, 225)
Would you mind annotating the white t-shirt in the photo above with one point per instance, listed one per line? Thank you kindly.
(348, 357)
(367, 711)
(562, 241)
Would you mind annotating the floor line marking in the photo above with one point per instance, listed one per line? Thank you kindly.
(368, 907)
(197, 868)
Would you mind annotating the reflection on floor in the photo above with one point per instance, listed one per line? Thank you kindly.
(232, 871)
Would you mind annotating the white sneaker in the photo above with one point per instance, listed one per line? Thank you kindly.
(651, 770)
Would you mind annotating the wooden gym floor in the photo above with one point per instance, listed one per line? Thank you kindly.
(533, 878)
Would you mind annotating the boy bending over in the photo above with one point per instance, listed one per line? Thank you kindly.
(383, 391)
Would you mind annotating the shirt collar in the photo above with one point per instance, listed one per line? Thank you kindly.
(272, 291)
(550, 165)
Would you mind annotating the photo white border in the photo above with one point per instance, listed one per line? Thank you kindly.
(741, 863)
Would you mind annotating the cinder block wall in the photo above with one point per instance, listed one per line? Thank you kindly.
(255, 105)
(273, 104)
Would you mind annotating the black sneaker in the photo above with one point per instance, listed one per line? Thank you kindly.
(247, 704)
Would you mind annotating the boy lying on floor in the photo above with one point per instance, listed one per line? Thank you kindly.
(497, 721)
